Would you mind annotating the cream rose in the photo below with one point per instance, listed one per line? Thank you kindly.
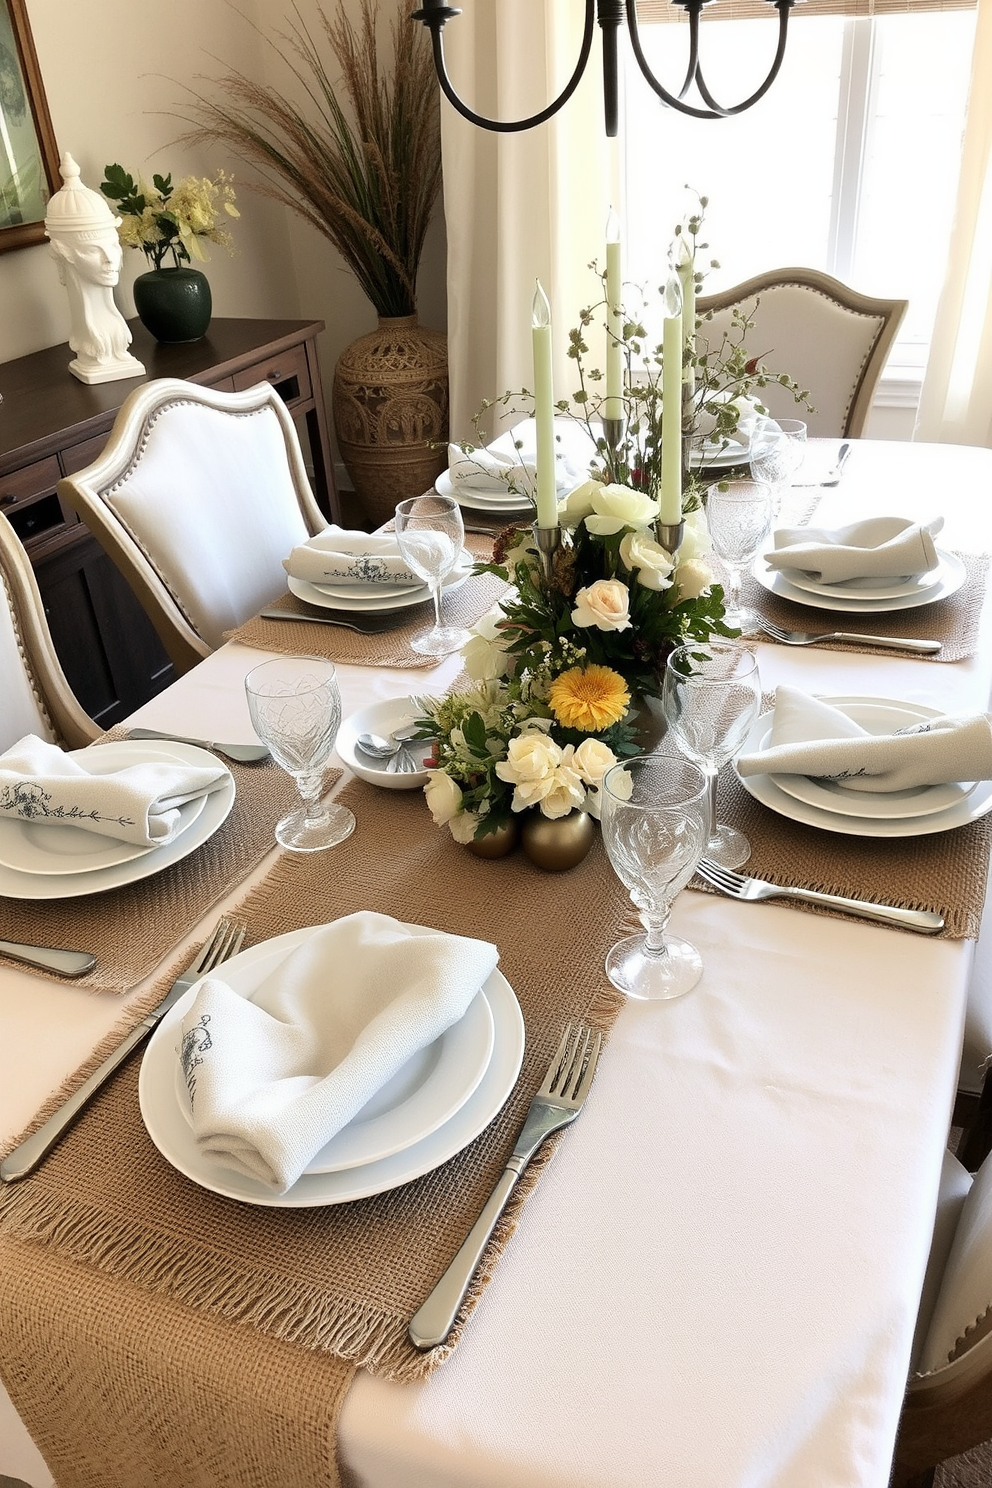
(578, 503)
(616, 507)
(567, 794)
(605, 604)
(462, 827)
(592, 759)
(696, 537)
(693, 578)
(530, 766)
(484, 657)
(444, 797)
(652, 562)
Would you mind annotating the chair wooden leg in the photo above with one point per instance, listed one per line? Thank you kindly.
(976, 1144)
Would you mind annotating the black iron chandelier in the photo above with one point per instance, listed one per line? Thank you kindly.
(610, 14)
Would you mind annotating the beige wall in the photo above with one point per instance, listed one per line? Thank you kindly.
(116, 73)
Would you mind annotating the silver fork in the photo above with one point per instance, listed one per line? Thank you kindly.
(808, 638)
(737, 886)
(555, 1105)
(224, 943)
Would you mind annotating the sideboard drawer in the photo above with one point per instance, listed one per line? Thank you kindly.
(31, 480)
(29, 502)
(288, 373)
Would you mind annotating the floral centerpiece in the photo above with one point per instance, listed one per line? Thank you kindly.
(163, 219)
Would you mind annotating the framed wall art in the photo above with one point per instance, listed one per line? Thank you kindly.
(29, 157)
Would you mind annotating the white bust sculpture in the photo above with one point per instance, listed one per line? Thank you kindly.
(82, 230)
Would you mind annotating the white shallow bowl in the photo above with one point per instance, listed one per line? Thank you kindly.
(379, 718)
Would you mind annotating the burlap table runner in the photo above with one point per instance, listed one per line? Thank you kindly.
(953, 621)
(343, 1280)
(130, 929)
(388, 648)
(945, 871)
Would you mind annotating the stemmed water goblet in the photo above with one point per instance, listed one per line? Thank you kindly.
(738, 515)
(654, 819)
(777, 450)
(430, 533)
(295, 709)
(710, 697)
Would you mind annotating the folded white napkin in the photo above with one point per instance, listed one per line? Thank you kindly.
(41, 785)
(273, 1079)
(749, 410)
(813, 738)
(879, 547)
(501, 464)
(350, 559)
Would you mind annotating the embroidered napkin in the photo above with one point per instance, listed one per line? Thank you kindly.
(273, 1079)
(140, 803)
(511, 460)
(811, 737)
(338, 556)
(880, 547)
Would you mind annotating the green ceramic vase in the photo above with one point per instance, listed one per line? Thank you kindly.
(173, 304)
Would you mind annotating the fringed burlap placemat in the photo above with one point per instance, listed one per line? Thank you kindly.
(945, 871)
(346, 1279)
(953, 621)
(385, 648)
(130, 929)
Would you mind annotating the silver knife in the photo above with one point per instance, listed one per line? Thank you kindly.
(223, 944)
(246, 753)
(50, 958)
(370, 626)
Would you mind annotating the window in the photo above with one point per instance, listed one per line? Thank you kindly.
(849, 164)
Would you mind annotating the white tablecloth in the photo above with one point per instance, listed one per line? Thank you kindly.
(716, 1281)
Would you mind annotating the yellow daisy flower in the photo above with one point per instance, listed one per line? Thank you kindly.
(589, 698)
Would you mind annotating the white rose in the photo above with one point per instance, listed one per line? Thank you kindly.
(484, 657)
(696, 537)
(616, 507)
(592, 759)
(621, 785)
(693, 578)
(444, 797)
(605, 604)
(578, 503)
(566, 795)
(530, 766)
(652, 562)
(462, 827)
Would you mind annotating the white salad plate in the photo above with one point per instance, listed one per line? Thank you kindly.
(776, 582)
(376, 603)
(872, 588)
(507, 504)
(713, 457)
(368, 590)
(432, 1085)
(173, 1136)
(33, 847)
(382, 718)
(877, 715)
(17, 883)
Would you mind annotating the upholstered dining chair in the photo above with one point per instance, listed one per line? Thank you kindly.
(829, 338)
(948, 1403)
(37, 699)
(197, 497)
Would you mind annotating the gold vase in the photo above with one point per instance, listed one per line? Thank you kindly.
(559, 844)
(496, 844)
(390, 402)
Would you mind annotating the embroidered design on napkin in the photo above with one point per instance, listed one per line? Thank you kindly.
(195, 1042)
(27, 799)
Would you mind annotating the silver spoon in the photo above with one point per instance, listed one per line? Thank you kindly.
(376, 747)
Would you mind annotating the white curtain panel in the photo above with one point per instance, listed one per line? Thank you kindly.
(956, 402)
(520, 207)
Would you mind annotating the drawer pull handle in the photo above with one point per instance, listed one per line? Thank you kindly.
(8, 498)
(275, 376)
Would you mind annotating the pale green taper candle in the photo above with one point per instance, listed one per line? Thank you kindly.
(544, 411)
(671, 405)
(613, 406)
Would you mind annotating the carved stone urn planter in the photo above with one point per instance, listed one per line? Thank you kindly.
(390, 401)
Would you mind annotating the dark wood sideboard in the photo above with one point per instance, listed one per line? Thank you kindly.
(52, 425)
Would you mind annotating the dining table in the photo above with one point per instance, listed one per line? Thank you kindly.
(714, 1281)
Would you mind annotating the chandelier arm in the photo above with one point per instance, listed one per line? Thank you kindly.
(434, 17)
(693, 64)
(724, 113)
(673, 100)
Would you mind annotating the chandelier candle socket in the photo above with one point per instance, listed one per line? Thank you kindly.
(544, 411)
(671, 405)
(613, 407)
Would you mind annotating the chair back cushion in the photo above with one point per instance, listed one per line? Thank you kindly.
(209, 498)
(22, 711)
(800, 330)
(962, 1313)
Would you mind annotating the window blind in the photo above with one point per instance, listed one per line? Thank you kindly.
(649, 11)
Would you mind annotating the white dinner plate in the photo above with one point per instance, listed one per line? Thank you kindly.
(377, 604)
(31, 847)
(173, 1136)
(831, 795)
(488, 501)
(381, 718)
(868, 588)
(368, 591)
(776, 583)
(712, 458)
(432, 1085)
(16, 884)
(766, 789)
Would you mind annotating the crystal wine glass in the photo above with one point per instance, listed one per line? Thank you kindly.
(778, 447)
(430, 532)
(710, 698)
(295, 708)
(738, 515)
(654, 819)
